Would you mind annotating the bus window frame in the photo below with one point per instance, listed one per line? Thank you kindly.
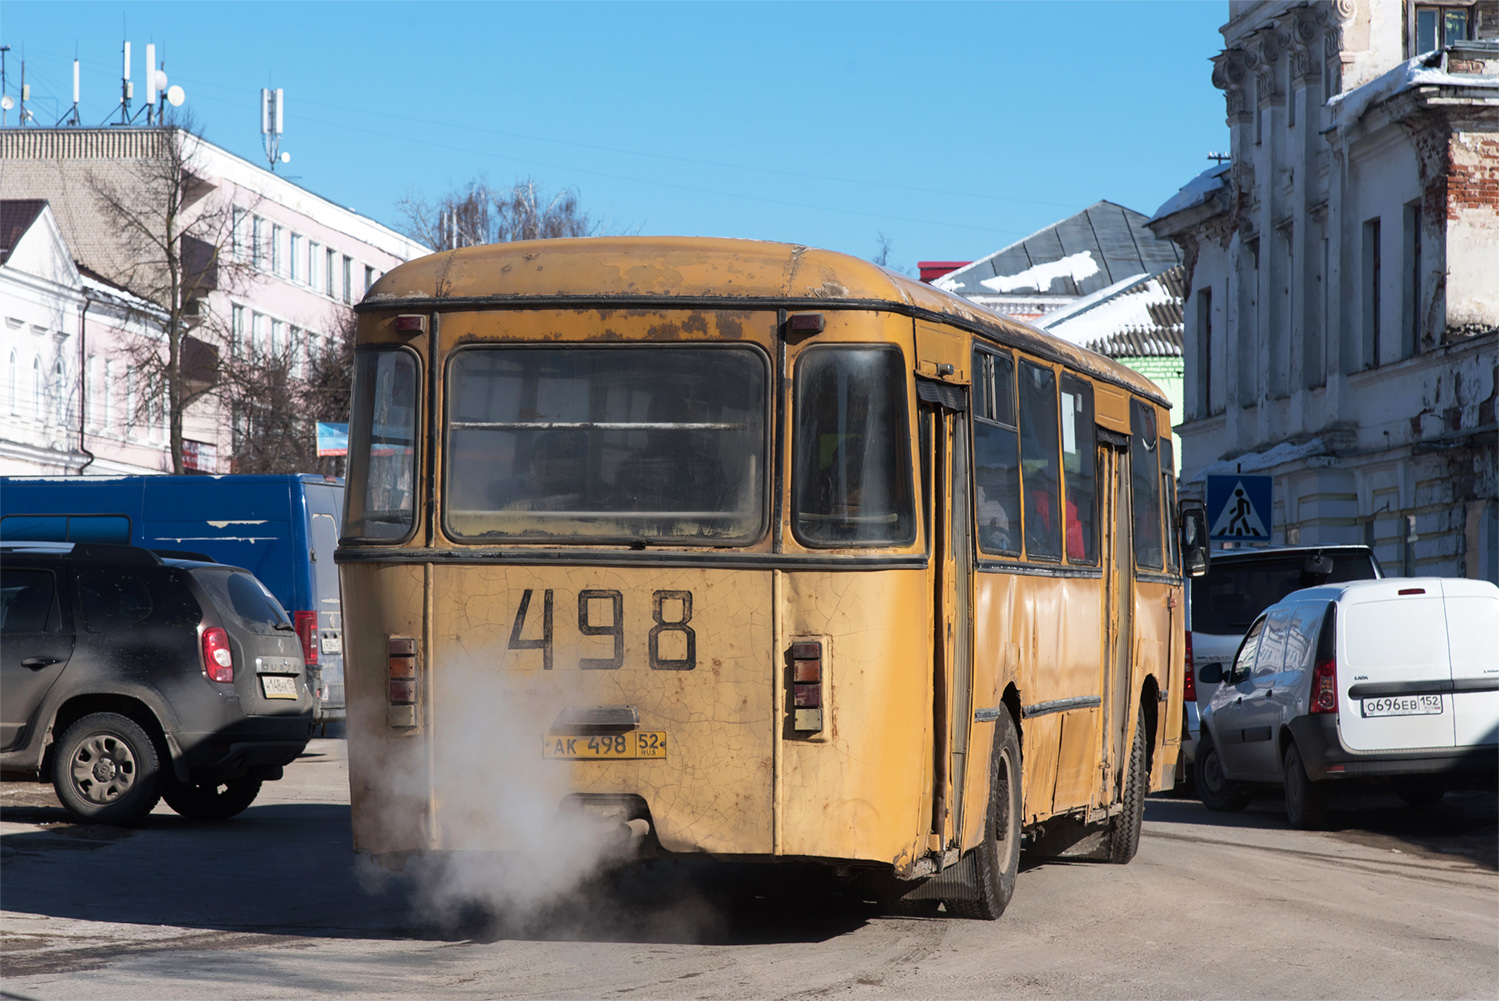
(419, 497)
(1055, 410)
(768, 478)
(1150, 420)
(907, 440)
(1089, 458)
(983, 369)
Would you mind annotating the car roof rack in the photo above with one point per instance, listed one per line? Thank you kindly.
(113, 554)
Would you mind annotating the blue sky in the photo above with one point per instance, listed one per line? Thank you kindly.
(954, 129)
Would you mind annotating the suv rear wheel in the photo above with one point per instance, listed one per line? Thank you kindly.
(211, 800)
(105, 770)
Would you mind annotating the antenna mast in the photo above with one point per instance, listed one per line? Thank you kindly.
(272, 120)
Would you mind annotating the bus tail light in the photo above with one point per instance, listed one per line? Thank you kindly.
(806, 686)
(218, 659)
(1189, 687)
(306, 623)
(1325, 686)
(402, 681)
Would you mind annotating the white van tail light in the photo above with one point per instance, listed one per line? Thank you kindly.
(1189, 687)
(402, 681)
(1325, 686)
(218, 659)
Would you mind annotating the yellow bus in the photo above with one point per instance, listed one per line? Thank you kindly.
(750, 551)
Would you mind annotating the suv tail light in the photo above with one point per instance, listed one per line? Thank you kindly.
(1325, 686)
(402, 681)
(306, 623)
(218, 660)
(806, 686)
(1189, 687)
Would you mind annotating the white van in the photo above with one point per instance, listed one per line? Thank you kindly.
(1395, 678)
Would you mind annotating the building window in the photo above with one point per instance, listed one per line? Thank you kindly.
(329, 260)
(312, 258)
(293, 269)
(236, 330)
(1371, 293)
(237, 235)
(369, 278)
(277, 264)
(1410, 333)
(129, 400)
(348, 279)
(1205, 351)
(278, 340)
(1439, 26)
(257, 242)
(109, 393)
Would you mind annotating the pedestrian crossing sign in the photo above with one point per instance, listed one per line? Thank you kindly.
(1240, 508)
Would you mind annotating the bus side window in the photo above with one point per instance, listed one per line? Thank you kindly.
(1145, 485)
(1039, 461)
(1078, 470)
(996, 466)
(1168, 495)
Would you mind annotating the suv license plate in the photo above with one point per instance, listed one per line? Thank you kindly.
(633, 744)
(1403, 705)
(277, 686)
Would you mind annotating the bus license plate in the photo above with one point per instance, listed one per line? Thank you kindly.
(1403, 705)
(278, 686)
(633, 744)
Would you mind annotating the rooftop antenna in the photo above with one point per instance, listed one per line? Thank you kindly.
(272, 120)
(6, 101)
(71, 118)
(127, 89)
(25, 96)
(1220, 157)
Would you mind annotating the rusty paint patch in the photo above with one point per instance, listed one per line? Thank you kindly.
(730, 328)
(696, 323)
(664, 332)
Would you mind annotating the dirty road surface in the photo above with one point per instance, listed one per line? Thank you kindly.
(1393, 903)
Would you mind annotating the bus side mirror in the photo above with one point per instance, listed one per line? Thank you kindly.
(1211, 674)
(1194, 529)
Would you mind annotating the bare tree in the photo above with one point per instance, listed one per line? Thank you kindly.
(882, 256)
(481, 213)
(175, 244)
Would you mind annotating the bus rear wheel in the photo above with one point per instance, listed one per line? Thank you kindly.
(997, 857)
(1124, 830)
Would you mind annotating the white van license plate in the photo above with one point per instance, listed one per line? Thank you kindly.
(278, 686)
(1403, 705)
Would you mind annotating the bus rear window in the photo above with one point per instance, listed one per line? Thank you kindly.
(851, 480)
(382, 446)
(585, 444)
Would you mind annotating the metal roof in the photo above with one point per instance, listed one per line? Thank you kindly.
(1138, 318)
(1101, 245)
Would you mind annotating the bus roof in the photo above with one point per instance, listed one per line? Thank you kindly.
(704, 273)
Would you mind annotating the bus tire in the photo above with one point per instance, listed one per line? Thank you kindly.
(1216, 791)
(997, 856)
(1124, 830)
(1306, 801)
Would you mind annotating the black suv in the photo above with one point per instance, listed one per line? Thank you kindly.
(131, 676)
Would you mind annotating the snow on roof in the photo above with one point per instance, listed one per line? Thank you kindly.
(1082, 253)
(1140, 316)
(1196, 191)
(1422, 71)
(1251, 462)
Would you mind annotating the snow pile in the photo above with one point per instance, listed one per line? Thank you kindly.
(1349, 107)
(1040, 278)
(1196, 191)
(1251, 462)
(1118, 320)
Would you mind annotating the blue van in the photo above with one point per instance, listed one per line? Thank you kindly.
(283, 529)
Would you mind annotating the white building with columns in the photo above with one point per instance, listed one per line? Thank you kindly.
(1342, 311)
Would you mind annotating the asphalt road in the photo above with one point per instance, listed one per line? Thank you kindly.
(1395, 903)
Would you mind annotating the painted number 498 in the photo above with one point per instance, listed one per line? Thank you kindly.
(671, 611)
